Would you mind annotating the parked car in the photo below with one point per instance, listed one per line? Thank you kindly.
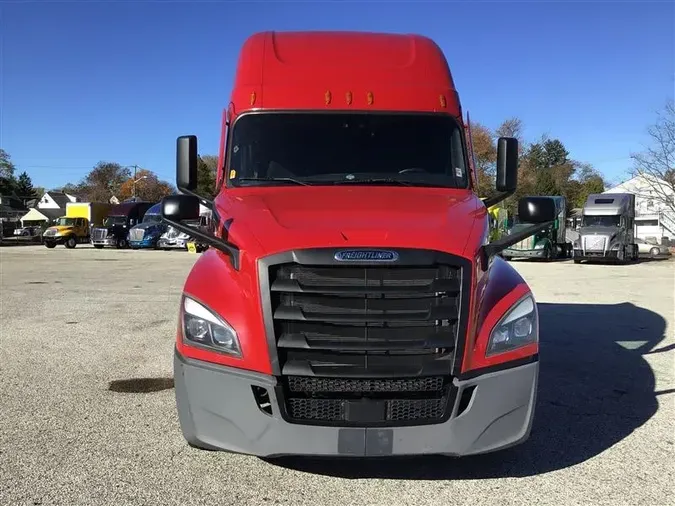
(29, 231)
(651, 249)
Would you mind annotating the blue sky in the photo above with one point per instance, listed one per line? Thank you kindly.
(83, 81)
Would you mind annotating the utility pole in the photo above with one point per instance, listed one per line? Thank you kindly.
(135, 181)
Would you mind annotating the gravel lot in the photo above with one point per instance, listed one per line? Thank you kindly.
(87, 412)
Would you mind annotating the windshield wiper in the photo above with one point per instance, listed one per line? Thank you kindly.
(274, 179)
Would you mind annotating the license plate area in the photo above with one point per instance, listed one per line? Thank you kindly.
(365, 411)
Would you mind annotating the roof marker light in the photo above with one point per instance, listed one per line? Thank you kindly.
(369, 98)
(252, 97)
(348, 97)
(444, 102)
(328, 97)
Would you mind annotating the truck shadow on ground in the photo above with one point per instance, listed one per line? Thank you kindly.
(595, 389)
(140, 385)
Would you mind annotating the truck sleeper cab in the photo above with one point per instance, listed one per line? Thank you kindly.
(147, 233)
(607, 229)
(350, 303)
(115, 229)
(175, 239)
(547, 244)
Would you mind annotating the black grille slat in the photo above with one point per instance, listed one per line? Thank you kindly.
(307, 363)
(300, 342)
(367, 309)
(296, 314)
(365, 344)
(424, 290)
(326, 336)
(312, 276)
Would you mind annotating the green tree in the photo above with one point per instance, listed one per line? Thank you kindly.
(7, 179)
(103, 182)
(206, 175)
(545, 182)
(484, 143)
(24, 186)
(587, 181)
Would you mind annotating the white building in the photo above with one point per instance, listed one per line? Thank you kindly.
(55, 200)
(653, 217)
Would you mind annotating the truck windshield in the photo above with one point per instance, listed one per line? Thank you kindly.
(66, 222)
(347, 148)
(114, 220)
(601, 221)
(152, 218)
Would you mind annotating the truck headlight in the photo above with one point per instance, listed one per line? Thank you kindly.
(517, 328)
(539, 245)
(203, 327)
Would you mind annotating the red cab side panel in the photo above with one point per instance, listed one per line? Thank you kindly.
(496, 290)
(233, 295)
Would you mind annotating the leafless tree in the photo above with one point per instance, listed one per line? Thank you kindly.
(656, 164)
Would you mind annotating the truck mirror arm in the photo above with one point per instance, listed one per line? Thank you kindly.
(208, 203)
(496, 199)
(491, 249)
(220, 245)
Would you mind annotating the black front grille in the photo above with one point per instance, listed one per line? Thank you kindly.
(351, 386)
(386, 401)
(365, 345)
(98, 234)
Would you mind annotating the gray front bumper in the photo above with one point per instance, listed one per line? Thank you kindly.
(217, 409)
(594, 255)
(171, 243)
(109, 241)
(524, 253)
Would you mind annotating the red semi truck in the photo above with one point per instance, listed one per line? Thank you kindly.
(350, 303)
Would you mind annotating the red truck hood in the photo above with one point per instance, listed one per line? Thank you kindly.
(270, 220)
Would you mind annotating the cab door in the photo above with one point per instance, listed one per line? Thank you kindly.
(80, 228)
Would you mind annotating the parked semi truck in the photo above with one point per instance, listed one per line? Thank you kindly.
(350, 303)
(549, 243)
(607, 229)
(115, 228)
(75, 227)
(147, 233)
(175, 239)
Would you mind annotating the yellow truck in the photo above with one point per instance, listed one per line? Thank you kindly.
(75, 226)
(498, 220)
